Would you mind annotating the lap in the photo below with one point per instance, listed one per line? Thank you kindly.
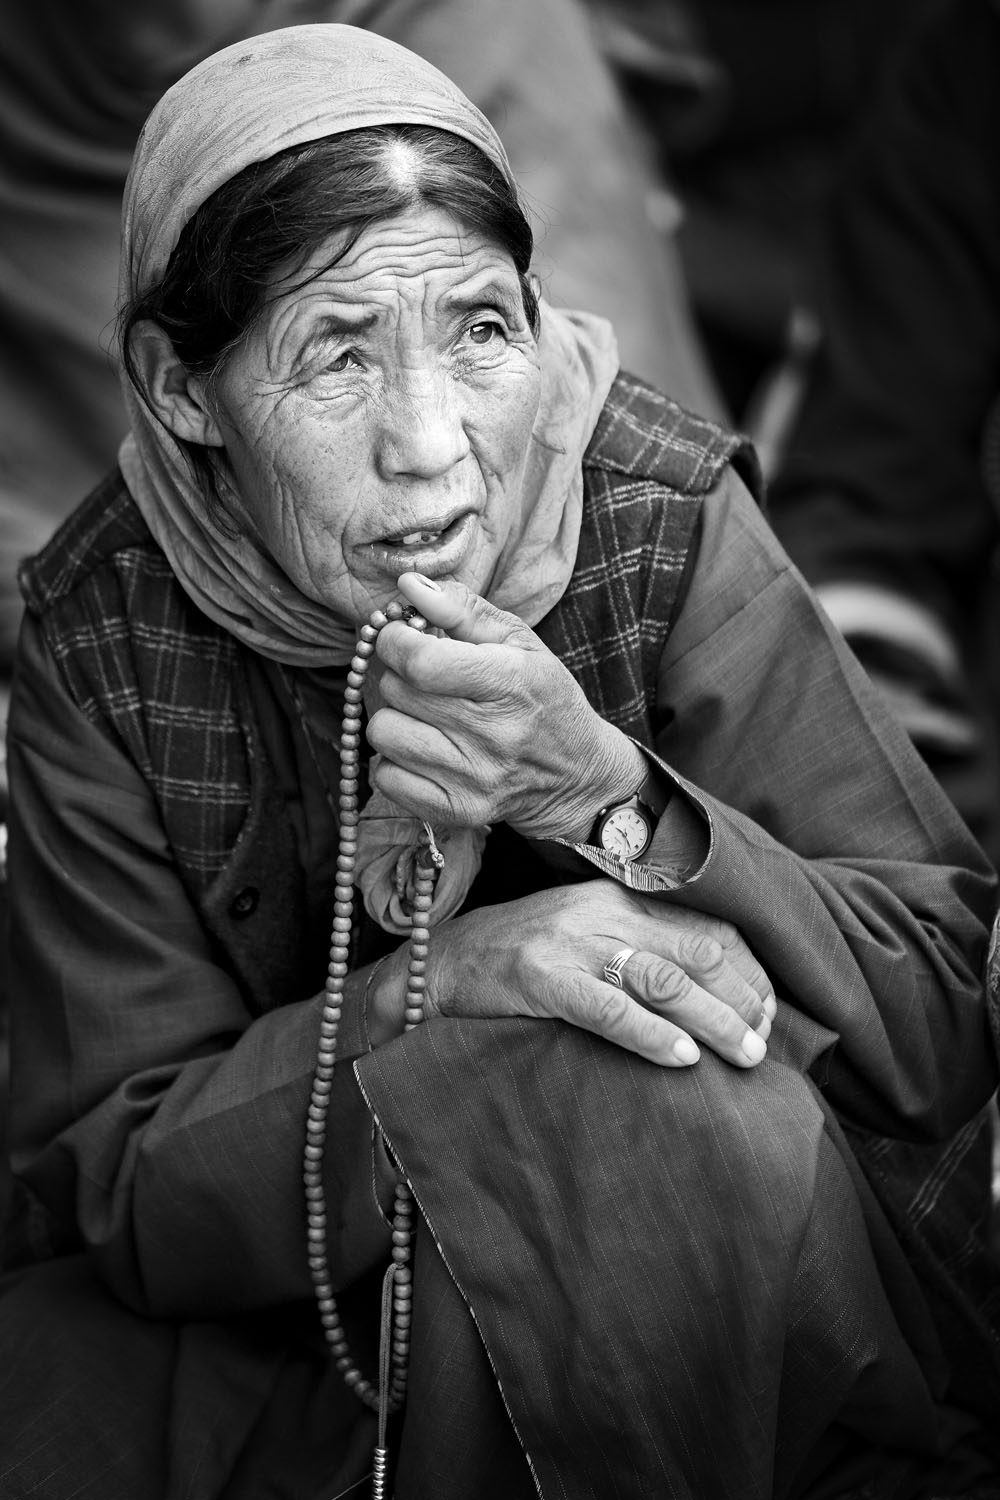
(636, 1240)
(661, 1282)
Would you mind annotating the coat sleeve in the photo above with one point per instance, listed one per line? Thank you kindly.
(830, 845)
(153, 1118)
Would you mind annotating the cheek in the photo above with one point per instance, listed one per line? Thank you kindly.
(504, 425)
(304, 476)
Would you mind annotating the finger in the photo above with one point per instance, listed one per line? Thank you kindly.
(408, 741)
(745, 961)
(461, 719)
(666, 988)
(738, 954)
(421, 772)
(464, 615)
(418, 796)
(711, 964)
(453, 669)
(429, 708)
(616, 1016)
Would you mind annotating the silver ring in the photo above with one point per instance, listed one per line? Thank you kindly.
(615, 964)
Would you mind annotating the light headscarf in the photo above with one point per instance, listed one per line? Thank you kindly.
(243, 105)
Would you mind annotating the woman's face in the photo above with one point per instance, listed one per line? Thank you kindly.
(378, 418)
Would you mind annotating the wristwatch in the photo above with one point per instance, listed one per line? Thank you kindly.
(626, 828)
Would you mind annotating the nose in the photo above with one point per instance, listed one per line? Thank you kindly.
(421, 429)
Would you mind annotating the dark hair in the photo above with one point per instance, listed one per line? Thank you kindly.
(275, 213)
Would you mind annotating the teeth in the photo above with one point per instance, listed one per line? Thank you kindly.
(415, 537)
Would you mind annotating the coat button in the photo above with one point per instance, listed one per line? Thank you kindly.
(244, 903)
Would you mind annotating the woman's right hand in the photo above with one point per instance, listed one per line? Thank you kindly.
(691, 979)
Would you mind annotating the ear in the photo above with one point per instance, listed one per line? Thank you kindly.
(177, 397)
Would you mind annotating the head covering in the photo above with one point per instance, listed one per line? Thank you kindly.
(243, 105)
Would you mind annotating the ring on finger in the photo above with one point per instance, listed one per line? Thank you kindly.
(615, 964)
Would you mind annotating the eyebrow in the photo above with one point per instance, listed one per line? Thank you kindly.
(332, 326)
(337, 326)
(494, 291)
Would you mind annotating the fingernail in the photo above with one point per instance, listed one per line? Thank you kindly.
(754, 1046)
(428, 583)
(764, 1029)
(685, 1050)
(771, 1007)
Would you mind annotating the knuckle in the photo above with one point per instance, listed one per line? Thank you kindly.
(726, 933)
(729, 938)
(493, 675)
(374, 730)
(734, 945)
(482, 608)
(487, 612)
(462, 811)
(668, 983)
(392, 644)
(702, 951)
(605, 1009)
(421, 669)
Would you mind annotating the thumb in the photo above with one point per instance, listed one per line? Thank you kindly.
(464, 616)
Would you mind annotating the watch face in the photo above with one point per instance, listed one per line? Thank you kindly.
(625, 832)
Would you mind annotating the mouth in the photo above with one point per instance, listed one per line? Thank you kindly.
(414, 539)
(434, 551)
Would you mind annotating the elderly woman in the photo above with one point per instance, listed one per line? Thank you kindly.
(589, 1151)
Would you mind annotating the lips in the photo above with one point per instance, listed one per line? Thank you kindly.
(436, 551)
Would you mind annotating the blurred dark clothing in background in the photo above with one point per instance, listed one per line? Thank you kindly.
(750, 104)
(888, 493)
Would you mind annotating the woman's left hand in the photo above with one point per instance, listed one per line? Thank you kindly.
(689, 977)
(486, 725)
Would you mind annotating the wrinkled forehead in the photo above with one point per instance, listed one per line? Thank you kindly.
(261, 96)
(421, 265)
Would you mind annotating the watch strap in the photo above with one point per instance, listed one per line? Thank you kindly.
(653, 794)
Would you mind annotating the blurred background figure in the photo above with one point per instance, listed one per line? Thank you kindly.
(888, 493)
(750, 104)
(77, 77)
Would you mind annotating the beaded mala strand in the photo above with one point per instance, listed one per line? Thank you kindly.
(385, 1395)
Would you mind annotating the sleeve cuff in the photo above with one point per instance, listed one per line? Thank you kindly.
(680, 847)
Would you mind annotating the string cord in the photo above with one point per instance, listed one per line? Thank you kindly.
(387, 1392)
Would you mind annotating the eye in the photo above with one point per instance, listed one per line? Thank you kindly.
(346, 361)
(486, 332)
